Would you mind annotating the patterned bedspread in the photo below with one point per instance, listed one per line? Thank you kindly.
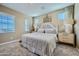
(40, 43)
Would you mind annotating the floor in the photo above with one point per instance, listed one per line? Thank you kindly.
(14, 49)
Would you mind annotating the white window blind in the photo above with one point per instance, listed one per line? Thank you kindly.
(7, 23)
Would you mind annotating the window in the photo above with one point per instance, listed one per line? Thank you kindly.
(61, 16)
(7, 23)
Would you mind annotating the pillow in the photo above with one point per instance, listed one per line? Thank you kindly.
(47, 26)
(40, 30)
(68, 28)
(51, 31)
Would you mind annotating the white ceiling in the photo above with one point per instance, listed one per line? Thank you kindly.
(35, 9)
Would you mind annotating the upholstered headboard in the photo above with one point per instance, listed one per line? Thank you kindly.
(49, 26)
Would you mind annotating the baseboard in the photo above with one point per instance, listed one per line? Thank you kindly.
(9, 42)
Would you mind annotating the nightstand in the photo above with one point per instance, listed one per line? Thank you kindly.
(66, 38)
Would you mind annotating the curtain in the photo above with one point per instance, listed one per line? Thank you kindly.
(69, 15)
(28, 25)
(37, 23)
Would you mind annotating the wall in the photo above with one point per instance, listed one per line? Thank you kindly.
(19, 19)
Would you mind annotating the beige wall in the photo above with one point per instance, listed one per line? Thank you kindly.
(55, 18)
(19, 19)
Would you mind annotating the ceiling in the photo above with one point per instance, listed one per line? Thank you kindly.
(35, 9)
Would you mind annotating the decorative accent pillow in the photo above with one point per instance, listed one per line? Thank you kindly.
(51, 31)
(40, 30)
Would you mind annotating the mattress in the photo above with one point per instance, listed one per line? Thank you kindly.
(39, 43)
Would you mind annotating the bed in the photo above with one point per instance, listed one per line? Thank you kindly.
(40, 43)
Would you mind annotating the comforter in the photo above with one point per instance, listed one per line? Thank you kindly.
(40, 43)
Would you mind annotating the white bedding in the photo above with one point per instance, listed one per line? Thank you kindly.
(40, 43)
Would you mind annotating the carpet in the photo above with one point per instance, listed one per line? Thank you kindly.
(15, 49)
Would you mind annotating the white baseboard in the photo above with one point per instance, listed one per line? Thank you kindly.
(9, 42)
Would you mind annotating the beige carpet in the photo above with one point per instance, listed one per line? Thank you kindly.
(14, 49)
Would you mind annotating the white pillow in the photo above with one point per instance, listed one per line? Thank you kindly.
(51, 31)
(68, 28)
(40, 30)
